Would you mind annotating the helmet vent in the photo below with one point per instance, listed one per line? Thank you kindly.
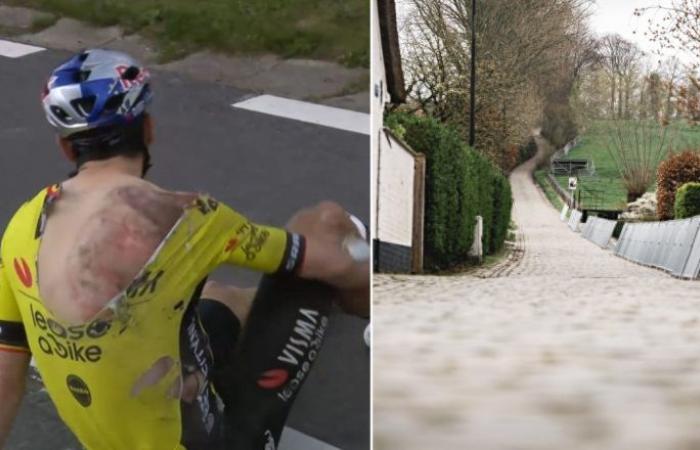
(131, 73)
(61, 114)
(113, 103)
(84, 105)
(83, 75)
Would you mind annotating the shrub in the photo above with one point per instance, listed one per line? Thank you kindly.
(460, 184)
(687, 201)
(678, 169)
(637, 147)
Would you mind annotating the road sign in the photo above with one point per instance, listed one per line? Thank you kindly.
(572, 183)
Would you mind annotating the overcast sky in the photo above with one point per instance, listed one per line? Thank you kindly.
(617, 16)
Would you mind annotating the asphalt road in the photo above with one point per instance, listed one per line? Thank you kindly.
(265, 167)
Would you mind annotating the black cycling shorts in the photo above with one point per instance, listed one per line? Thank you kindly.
(258, 370)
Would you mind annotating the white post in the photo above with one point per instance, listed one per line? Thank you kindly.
(477, 249)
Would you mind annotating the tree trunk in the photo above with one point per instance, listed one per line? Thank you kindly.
(612, 98)
(627, 99)
(619, 100)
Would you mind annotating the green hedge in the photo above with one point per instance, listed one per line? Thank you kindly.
(687, 202)
(460, 184)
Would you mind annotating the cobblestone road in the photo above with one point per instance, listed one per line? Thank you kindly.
(564, 347)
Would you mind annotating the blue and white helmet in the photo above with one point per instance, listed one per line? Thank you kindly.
(95, 89)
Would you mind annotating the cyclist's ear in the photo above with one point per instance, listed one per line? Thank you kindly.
(147, 130)
(67, 148)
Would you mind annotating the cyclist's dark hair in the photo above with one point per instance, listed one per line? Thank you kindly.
(108, 142)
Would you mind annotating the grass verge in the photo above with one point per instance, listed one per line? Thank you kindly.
(322, 29)
(549, 192)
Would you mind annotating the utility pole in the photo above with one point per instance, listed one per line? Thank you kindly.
(472, 107)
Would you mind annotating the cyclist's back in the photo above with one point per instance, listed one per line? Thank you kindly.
(98, 237)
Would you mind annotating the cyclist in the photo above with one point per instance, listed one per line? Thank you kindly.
(103, 280)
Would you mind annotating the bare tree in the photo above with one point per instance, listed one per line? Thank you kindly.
(672, 72)
(637, 147)
(677, 29)
(621, 60)
(520, 45)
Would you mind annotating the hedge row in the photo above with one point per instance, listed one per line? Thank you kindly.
(460, 184)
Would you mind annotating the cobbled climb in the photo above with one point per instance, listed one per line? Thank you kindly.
(561, 346)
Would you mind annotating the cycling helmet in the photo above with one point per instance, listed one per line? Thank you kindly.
(96, 89)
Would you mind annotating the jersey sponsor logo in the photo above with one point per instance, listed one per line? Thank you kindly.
(53, 191)
(23, 272)
(302, 348)
(231, 245)
(146, 283)
(197, 346)
(79, 389)
(256, 239)
(60, 341)
(272, 379)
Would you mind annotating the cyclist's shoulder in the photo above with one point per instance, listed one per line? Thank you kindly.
(27, 213)
(23, 222)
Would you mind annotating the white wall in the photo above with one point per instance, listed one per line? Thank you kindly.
(392, 171)
(397, 171)
(380, 96)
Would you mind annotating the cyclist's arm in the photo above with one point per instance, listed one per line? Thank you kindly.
(14, 357)
(311, 247)
(257, 247)
(13, 373)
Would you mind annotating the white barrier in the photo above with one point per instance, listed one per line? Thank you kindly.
(673, 246)
(564, 212)
(575, 219)
(599, 231)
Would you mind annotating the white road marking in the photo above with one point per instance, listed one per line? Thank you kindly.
(16, 50)
(326, 116)
(295, 440)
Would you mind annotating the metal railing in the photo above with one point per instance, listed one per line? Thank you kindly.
(599, 231)
(673, 246)
(575, 219)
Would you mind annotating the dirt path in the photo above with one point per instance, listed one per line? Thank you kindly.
(566, 347)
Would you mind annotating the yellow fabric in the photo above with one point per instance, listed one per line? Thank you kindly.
(90, 371)
(8, 307)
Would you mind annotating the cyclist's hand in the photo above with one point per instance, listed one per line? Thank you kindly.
(329, 232)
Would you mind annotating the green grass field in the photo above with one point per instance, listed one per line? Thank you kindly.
(336, 30)
(605, 189)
